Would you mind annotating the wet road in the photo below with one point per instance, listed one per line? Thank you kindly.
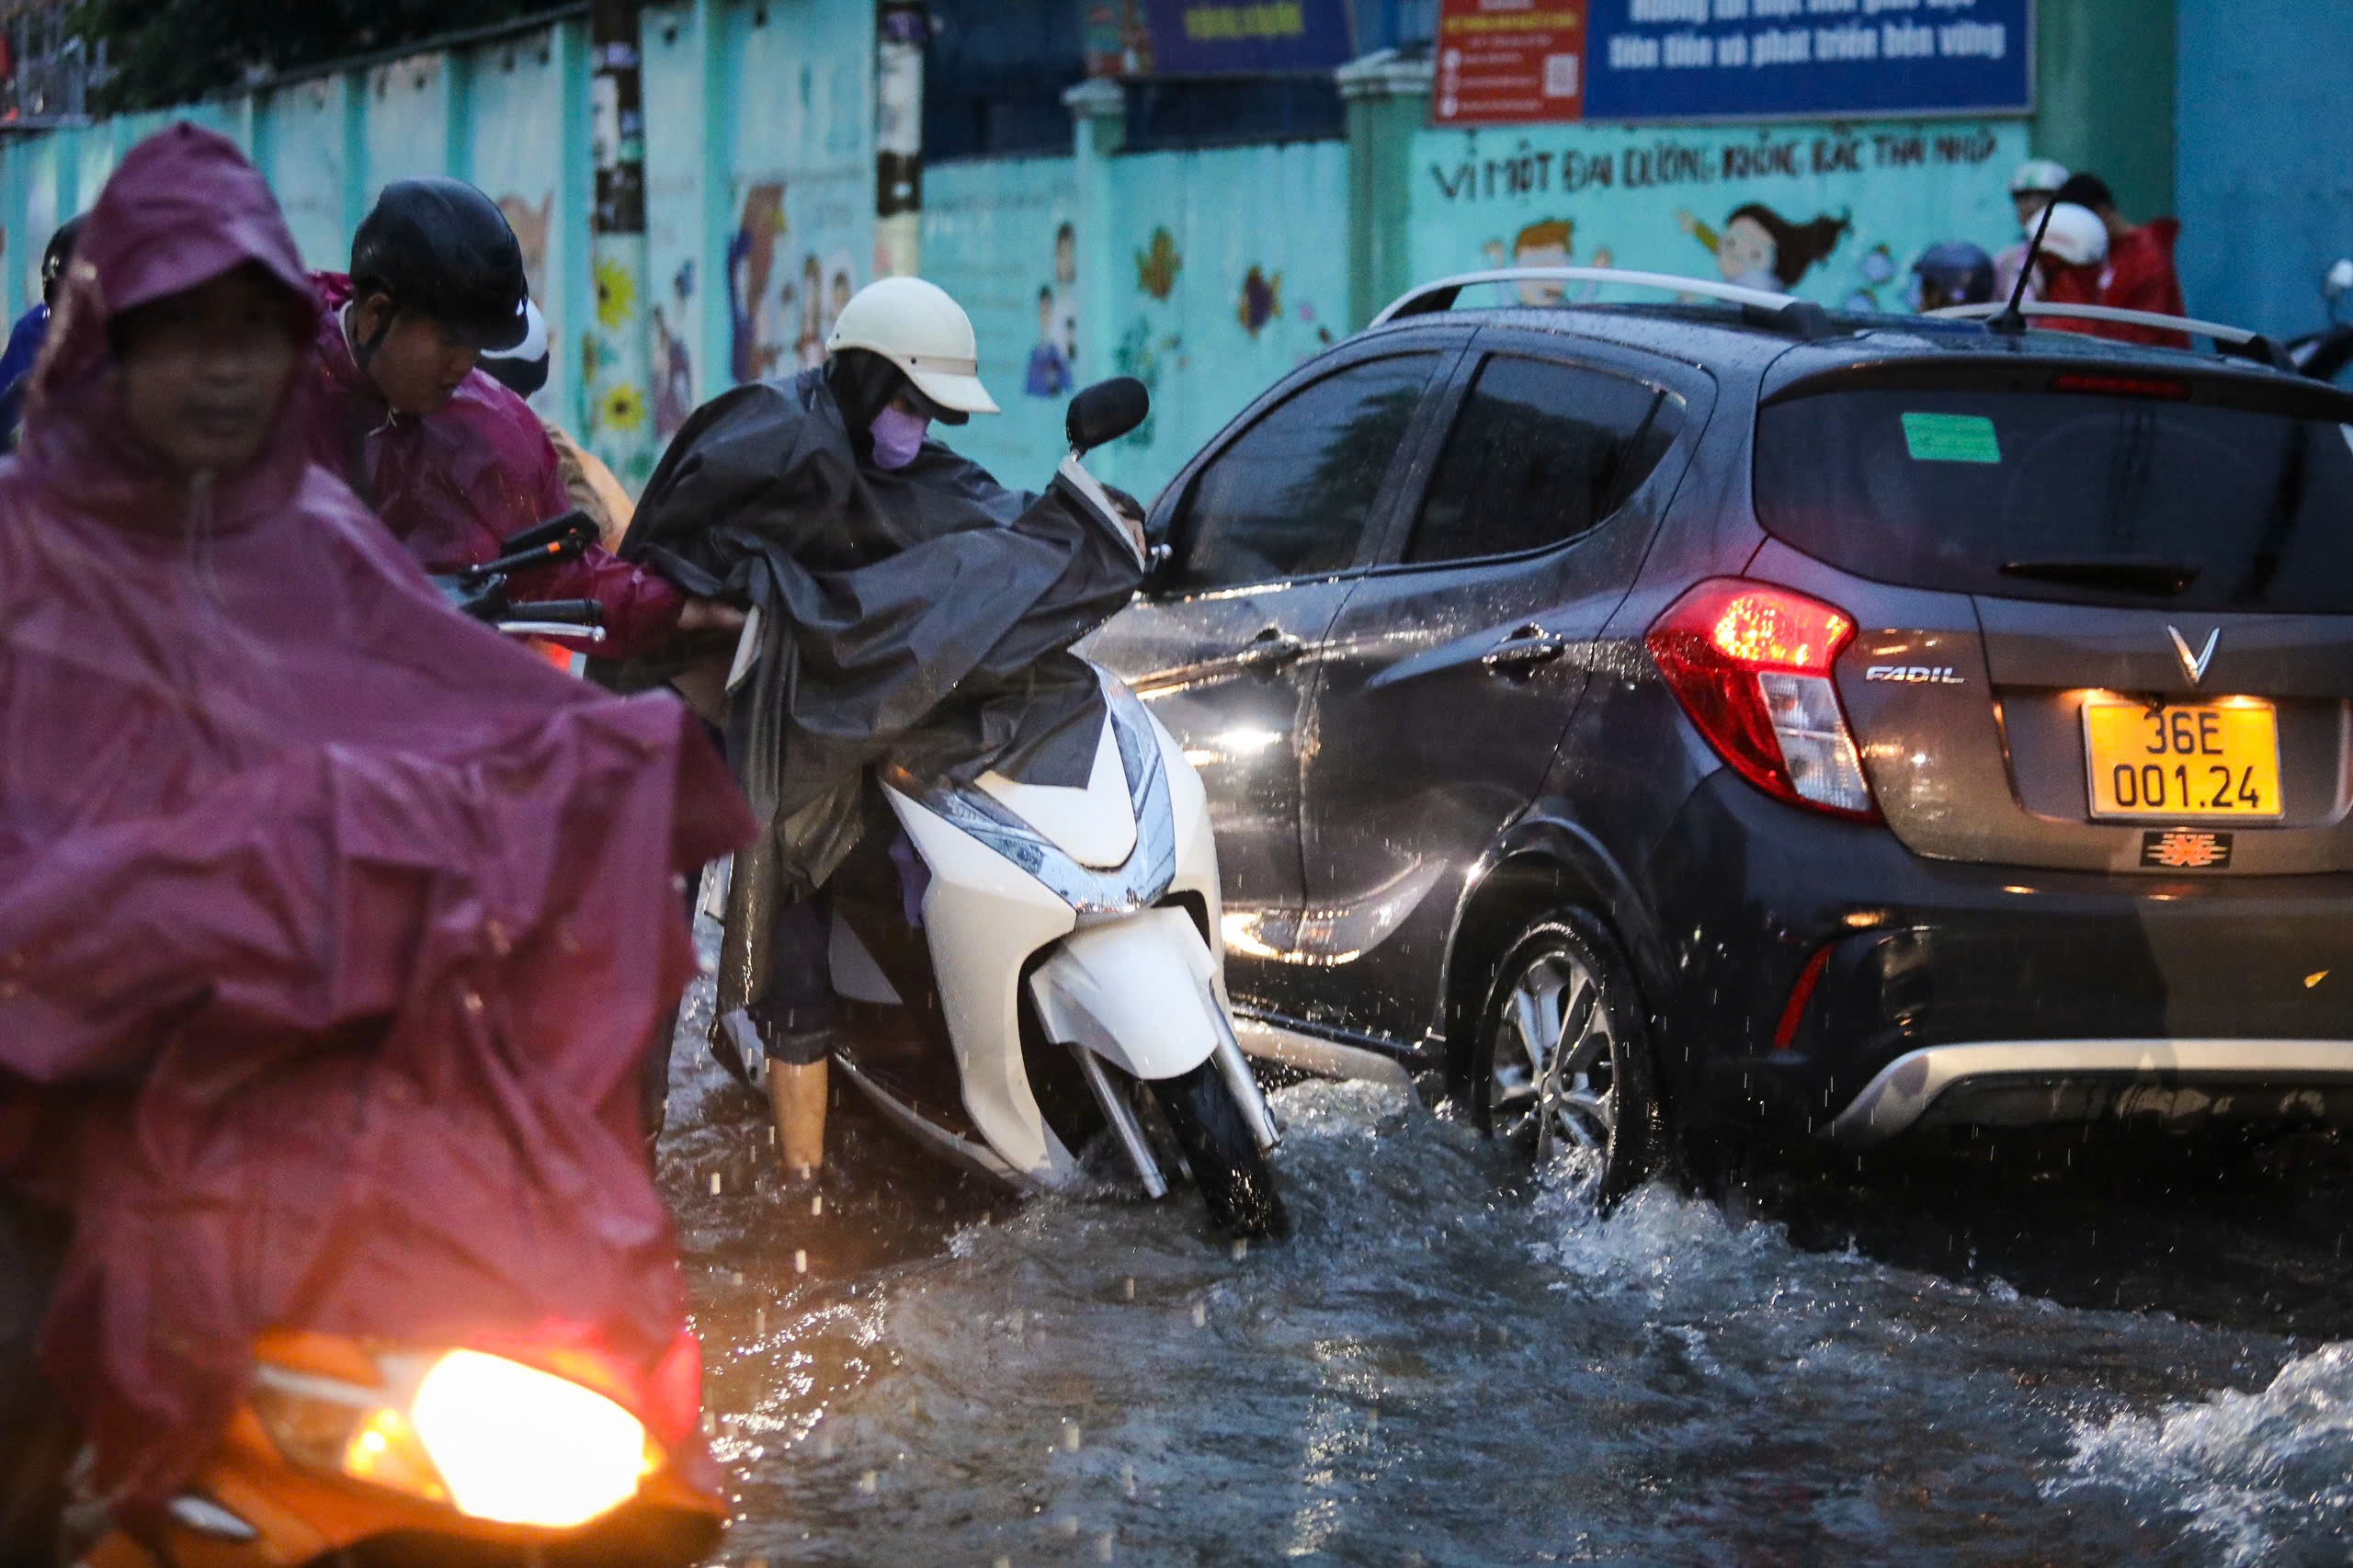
(2112, 1352)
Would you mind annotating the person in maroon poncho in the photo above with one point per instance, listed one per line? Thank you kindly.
(453, 463)
(334, 925)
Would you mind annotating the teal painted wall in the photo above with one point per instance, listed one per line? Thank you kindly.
(759, 151)
(1649, 199)
(1226, 268)
(2266, 184)
(989, 230)
(2104, 85)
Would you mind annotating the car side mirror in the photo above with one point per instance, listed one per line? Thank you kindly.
(1105, 412)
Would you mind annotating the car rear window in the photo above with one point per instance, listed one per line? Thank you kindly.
(2097, 485)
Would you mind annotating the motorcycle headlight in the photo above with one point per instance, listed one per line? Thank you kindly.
(494, 1438)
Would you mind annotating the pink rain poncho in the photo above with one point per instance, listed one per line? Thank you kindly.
(455, 485)
(333, 926)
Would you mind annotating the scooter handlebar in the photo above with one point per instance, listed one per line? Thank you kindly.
(560, 612)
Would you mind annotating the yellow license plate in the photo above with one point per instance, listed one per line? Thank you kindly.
(2183, 760)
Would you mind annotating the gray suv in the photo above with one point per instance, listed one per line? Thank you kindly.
(1667, 717)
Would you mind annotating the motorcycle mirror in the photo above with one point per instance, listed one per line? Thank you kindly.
(2337, 280)
(1105, 412)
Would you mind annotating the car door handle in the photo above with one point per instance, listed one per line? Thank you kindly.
(1270, 651)
(1523, 651)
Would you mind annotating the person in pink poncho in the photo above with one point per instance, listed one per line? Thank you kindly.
(334, 926)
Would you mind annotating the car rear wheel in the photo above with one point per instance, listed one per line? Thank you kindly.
(1561, 1060)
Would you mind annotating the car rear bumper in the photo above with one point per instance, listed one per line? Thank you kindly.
(1816, 975)
(2026, 1082)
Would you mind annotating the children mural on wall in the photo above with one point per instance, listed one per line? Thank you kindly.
(1051, 370)
(1261, 301)
(530, 226)
(808, 346)
(1066, 290)
(844, 285)
(753, 349)
(1549, 242)
(1759, 248)
(674, 370)
(1158, 263)
(1048, 373)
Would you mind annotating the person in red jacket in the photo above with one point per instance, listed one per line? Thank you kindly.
(2139, 273)
(451, 461)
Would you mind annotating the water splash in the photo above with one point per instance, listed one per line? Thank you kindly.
(2266, 1475)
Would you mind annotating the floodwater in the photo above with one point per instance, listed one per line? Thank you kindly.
(2109, 1351)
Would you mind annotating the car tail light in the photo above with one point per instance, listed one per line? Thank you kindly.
(1751, 664)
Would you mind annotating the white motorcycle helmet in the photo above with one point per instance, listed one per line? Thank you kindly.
(2037, 176)
(927, 334)
(2075, 236)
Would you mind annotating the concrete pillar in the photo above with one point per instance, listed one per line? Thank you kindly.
(900, 30)
(619, 418)
(2104, 84)
(1098, 111)
(718, 131)
(1388, 99)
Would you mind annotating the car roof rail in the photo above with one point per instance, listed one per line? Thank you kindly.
(1759, 307)
(2231, 342)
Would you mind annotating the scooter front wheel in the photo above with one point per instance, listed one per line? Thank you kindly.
(1236, 1181)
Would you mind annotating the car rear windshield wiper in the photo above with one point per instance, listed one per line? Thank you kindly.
(2161, 579)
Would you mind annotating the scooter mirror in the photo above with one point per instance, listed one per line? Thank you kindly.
(1105, 412)
(2337, 281)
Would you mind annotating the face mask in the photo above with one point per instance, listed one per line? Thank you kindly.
(898, 436)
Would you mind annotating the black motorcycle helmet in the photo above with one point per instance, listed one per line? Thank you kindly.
(58, 257)
(1954, 273)
(441, 248)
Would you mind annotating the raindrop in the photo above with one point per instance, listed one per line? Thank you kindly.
(1127, 1479)
(1068, 1525)
(1003, 1562)
(818, 1207)
(1241, 1248)
(867, 1482)
(1104, 1545)
(760, 1323)
(824, 1445)
(1129, 1290)
(1070, 1435)
(1200, 1314)
(800, 1261)
(714, 1184)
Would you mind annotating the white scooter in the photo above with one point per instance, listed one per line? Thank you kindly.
(1074, 984)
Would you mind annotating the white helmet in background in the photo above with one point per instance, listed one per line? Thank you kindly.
(2075, 236)
(927, 334)
(2038, 177)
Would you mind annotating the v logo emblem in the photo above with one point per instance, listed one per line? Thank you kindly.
(2194, 664)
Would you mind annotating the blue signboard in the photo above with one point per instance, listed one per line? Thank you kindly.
(1770, 59)
(1243, 37)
